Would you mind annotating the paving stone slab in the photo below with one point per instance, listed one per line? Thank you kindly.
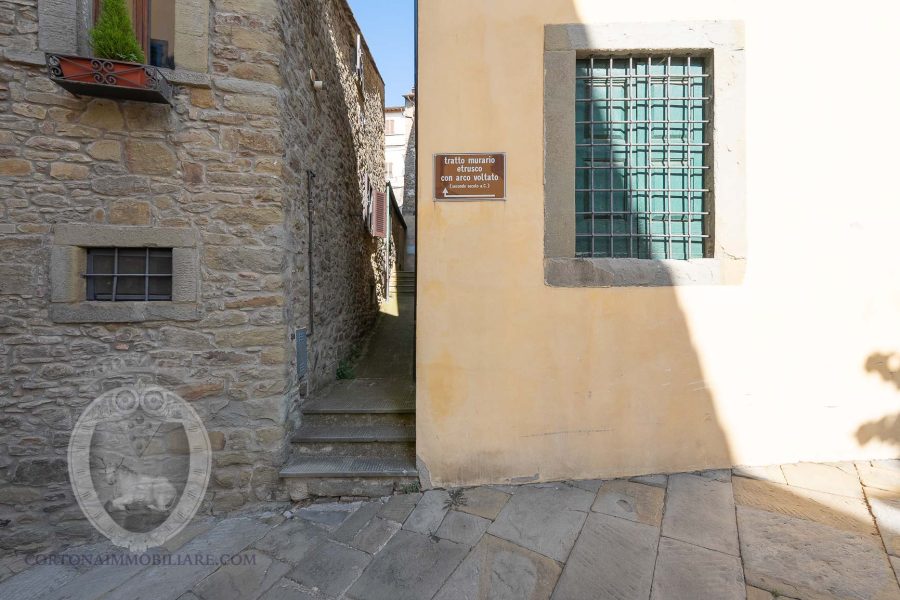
(37, 582)
(654, 480)
(886, 508)
(723, 475)
(463, 528)
(546, 520)
(429, 512)
(895, 565)
(99, 580)
(804, 559)
(242, 580)
(330, 514)
(588, 485)
(754, 593)
(285, 589)
(833, 478)
(228, 537)
(700, 511)
(768, 473)
(330, 568)
(880, 474)
(375, 535)
(688, 572)
(96, 580)
(499, 570)
(612, 560)
(398, 507)
(484, 502)
(506, 489)
(355, 522)
(292, 540)
(632, 501)
(192, 530)
(841, 512)
(412, 566)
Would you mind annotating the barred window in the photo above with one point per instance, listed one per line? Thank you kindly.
(129, 274)
(642, 135)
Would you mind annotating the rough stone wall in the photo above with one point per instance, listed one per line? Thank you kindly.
(18, 25)
(213, 163)
(409, 165)
(409, 197)
(335, 141)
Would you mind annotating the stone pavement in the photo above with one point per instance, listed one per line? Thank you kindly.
(803, 531)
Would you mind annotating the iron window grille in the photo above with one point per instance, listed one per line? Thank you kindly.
(129, 274)
(642, 152)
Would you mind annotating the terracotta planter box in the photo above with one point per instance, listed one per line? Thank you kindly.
(107, 78)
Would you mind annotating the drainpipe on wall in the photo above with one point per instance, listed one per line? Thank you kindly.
(310, 176)
(310, 368)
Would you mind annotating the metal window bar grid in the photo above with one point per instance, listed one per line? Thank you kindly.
(603, 243)
(91, 276)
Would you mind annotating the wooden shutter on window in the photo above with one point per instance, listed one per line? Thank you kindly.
(379, 215)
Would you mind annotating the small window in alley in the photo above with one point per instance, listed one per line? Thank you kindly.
(642, 137)
(129, 274)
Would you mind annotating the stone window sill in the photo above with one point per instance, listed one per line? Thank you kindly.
(123, 312)
(636, 272)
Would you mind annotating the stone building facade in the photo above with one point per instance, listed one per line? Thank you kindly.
(260, 184)
(400, 163)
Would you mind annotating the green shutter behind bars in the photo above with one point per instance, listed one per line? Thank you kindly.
(641, 137)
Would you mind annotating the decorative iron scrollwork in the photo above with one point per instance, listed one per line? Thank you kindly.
(109, 78)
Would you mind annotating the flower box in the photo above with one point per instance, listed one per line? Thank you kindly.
(105, 78)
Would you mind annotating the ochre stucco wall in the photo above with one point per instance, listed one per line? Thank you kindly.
(520, 381)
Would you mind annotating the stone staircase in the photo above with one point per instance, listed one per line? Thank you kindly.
(358, 437)
(402, 282)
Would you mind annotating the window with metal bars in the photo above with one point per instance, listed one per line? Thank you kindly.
(642, 129)
(129, 274)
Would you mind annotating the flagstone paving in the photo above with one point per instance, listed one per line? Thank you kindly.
(791, 532)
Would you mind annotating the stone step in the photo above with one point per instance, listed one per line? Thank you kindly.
(349, 466)
(405, 450)
(350, 434)
(364, 396)
(406, 419)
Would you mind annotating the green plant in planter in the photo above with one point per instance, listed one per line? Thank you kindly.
(113, 36)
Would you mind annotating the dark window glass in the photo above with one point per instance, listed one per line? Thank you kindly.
(129, 274)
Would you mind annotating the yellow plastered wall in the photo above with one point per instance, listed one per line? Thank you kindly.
(518, 381)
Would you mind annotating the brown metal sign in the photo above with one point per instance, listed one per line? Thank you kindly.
(470, 176)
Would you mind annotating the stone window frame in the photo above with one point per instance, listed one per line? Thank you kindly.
(68, 261)
(723, 42)
(63, 27)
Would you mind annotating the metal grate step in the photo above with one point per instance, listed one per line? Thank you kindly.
(344, 434)
(350, 466)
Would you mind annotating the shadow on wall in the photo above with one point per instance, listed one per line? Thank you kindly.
(633, 203)
(885, 429)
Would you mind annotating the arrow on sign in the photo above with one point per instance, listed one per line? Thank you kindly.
(445, 192)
